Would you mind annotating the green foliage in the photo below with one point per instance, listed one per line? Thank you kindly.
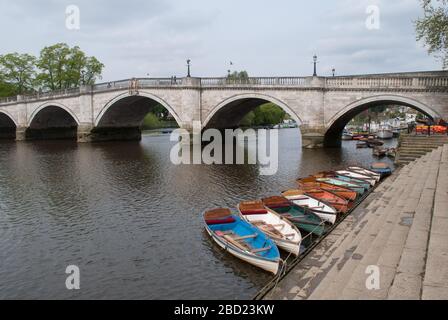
(241, 75)
(17, 73)
(266, 114)
(63, 67)
(433, 28)
(152, 121)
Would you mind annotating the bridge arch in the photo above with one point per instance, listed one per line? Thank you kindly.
(229, 112)
(122, 116)
(8, 125)
(122, 97)
(52, 120)
(56, 105)
(337, 122)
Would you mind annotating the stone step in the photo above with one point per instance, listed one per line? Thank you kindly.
(407, 283)
(351, 281)
(435, 282)
(372, 222)
(386, 250)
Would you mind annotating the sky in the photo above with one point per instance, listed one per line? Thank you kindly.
(140, 38)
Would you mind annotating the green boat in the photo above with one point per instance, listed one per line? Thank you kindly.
(366, 185)
(337, 182)
(301, 217)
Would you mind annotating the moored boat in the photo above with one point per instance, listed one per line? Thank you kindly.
(364, 183)
(381, 168)
(241, 239)
(337, 202)
(356, 175)
(365, 172)
(311, 182)
(341, 183)
(282, 231)
(385, 133)
(303, 218)
(325, 211)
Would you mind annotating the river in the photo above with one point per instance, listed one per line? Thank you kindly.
(131, 220)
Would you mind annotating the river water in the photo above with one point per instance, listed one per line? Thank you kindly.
(131, 220)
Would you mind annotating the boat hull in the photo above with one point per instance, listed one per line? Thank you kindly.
(265, 264)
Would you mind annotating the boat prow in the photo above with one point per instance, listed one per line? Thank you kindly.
(241, 239)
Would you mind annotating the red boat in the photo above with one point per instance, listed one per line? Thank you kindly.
(309, 183)
(339, 203)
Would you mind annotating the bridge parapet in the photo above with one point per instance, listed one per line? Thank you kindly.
(418, 81)
(387, 82)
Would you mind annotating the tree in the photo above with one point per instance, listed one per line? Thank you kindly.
(433, 28)
(238, 76)
(63, 67)
(17, 73)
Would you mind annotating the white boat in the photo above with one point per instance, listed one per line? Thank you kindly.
(356, 175)
(365, 172)
(322, 209)
(242, 240)
(385, 133)
(284, 233)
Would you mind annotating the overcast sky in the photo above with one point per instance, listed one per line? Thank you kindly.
(266, 38)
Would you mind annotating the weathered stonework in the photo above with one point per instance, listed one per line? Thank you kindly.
(321, 106)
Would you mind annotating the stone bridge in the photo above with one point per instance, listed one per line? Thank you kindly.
(322, 106)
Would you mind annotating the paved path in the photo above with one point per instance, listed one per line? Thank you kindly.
(401, 231)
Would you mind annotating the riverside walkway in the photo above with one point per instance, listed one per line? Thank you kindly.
(401, 229)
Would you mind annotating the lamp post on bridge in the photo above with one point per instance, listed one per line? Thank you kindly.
(188, 65)
(315, 65)
(334, 71)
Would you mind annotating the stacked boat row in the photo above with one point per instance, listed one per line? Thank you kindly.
(262, 227)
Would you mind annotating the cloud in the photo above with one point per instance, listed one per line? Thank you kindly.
(135, 38)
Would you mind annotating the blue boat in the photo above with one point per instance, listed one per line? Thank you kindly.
(242, 240)
(366, 185)
(381, 168)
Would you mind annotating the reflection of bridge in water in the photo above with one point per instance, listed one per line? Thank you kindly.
(322, 106)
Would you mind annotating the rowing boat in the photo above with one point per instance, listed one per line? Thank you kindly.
(337, 202)
(364, 183)
(241, 239)
(341, 183)
(322, 209)
(356, 175)
(332, 174)
(310, 183)
(281, 230)
(381, 168)
(304, 219)
(366, 172)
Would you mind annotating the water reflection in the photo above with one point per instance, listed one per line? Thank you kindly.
(130, 219)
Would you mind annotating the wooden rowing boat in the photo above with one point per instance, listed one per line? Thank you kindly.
(366, 172)
(311, 182)
(322, 209)
(337, 202)
(241, 239)
(356, 175)
(338, 182)
(306, 220)
(281, 230)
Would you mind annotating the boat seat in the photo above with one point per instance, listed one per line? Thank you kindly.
(250, 236)
(261, 249)
(280, 225)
